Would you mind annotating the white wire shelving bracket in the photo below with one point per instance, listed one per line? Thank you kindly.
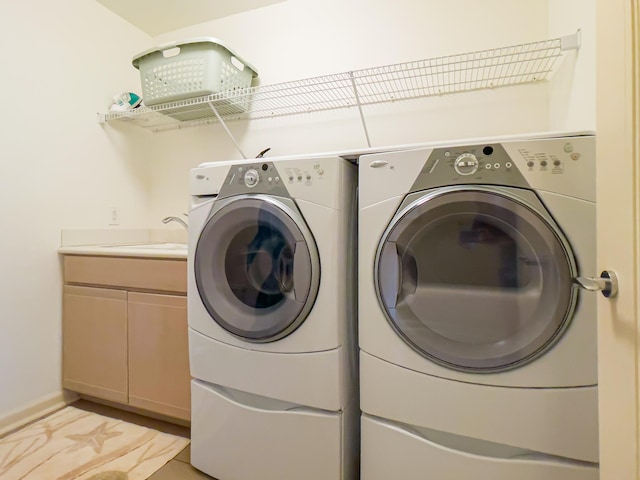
(484, 69)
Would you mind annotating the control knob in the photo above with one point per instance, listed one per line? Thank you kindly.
(466, 164)
(251, 178)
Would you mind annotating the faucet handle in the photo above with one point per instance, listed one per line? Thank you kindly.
(175, 219)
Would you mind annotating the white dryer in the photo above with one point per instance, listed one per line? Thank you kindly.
(271, 319)
(477, 352)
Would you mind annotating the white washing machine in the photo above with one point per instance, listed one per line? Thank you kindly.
(271, 319)
(477, 351)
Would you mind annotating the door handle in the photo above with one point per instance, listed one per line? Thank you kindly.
(606, 283)
(390, 274)
(378, 163)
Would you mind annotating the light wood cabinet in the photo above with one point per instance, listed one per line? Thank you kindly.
(149, 274)
(158, 378)
(94, 342)
(125, 332)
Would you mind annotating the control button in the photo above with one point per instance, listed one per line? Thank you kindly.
(251, 178)
(308, 177)
(575, 156)
(291, 178)
(277, 179)
(508, 165)
(557, 163)
(543, 163)
(447, 154)
(240, 169)
(299, 178)
(530, 164)
(568, 148)
(466, 164)
(270, 179)
(320, 172)
(487, 166)
(496, 166)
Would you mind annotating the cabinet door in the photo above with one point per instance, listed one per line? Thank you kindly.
(159, 378)
(95, 342)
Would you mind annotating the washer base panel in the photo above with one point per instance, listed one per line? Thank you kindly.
(554, 421)
(236, 441)
(389, 451)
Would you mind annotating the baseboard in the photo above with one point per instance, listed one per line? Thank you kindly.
(19, 418)
(138, 411)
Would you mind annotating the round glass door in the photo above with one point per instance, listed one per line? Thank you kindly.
(256, 268)
(475, 279)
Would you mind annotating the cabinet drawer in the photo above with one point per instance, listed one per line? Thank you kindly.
(127, 273)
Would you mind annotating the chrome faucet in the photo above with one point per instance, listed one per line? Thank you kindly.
(176, 219)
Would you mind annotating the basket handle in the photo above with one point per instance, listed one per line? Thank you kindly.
(237, 63)
(167, 46)
(170, 52)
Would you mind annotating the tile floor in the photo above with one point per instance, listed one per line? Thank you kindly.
(177, 469)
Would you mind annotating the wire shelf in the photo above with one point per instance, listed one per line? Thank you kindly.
(484, 69)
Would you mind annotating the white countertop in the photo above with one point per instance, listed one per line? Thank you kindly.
(150, 250)
(150, 243)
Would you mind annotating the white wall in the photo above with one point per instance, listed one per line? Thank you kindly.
(572, 104)
(64, 60)
(62, 63)
(304, 38)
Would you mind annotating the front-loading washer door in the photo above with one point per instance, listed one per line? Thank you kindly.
(257, 268)
(477, 279)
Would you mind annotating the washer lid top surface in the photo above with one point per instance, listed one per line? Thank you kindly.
(475, 278)
(257, 267)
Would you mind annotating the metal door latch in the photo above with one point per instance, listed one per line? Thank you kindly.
(606, 283)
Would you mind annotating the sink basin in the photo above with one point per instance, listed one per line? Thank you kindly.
(153, 246)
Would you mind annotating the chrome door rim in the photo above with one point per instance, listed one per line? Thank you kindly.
(503, 192)
(288, 208)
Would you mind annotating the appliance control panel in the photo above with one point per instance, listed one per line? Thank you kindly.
(266, 175)
(304, 175)
(493, 159)
(260, 177)
(488, 163)
(280, 178)
(252, 175)
(563, 165)
(295, 177)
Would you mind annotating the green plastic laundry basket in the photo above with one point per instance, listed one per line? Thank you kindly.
(192, 68)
